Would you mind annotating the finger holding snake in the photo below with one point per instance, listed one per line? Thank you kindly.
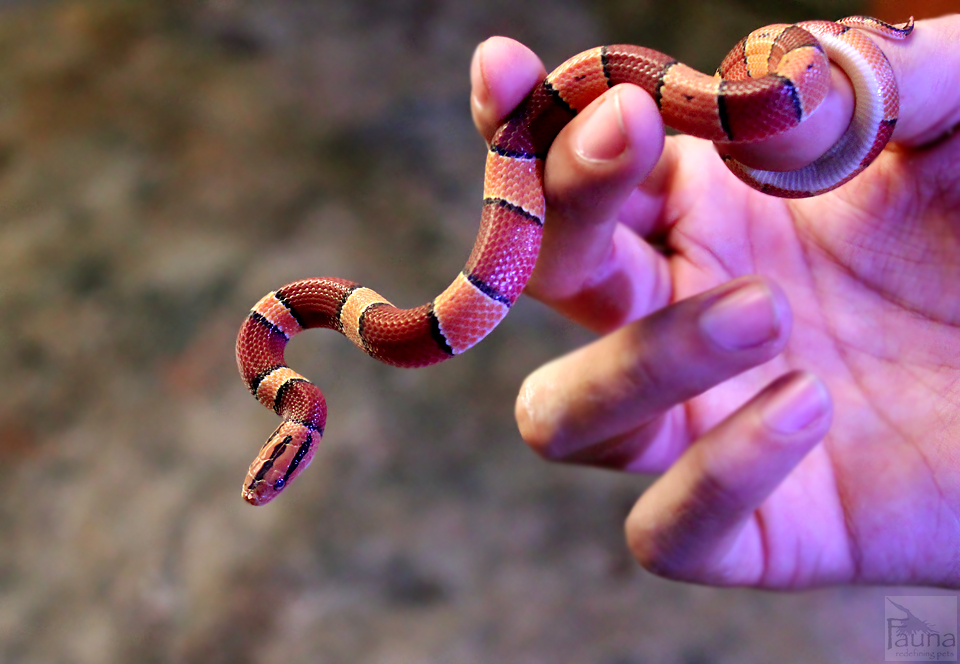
(594, 165)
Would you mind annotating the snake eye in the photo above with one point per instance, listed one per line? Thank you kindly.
(279, 484)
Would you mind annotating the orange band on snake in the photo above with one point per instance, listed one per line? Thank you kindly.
(770, 82)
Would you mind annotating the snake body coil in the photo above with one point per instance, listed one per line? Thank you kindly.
(770, 82)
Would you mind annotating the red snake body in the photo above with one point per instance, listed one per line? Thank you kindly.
(769, 82)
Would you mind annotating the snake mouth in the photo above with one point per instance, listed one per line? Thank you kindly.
(254, 498)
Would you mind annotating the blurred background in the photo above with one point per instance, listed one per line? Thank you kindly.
(163, 165)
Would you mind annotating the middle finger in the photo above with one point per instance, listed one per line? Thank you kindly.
(604, 404)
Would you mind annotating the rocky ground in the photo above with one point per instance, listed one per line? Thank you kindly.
(162, 165)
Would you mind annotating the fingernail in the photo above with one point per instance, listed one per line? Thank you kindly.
(479, 97)
(603, 136)
(796, 404)
(745, 318)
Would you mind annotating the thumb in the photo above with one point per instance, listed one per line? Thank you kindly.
(502, 72)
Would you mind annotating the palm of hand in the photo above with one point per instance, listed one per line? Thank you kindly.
(868, 270)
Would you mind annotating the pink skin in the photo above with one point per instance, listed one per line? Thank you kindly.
(791, 369)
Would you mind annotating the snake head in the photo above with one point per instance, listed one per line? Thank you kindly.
(282, 458)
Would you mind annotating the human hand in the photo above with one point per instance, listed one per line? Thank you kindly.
(736, 326)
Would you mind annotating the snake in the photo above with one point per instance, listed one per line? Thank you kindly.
(771, 81)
